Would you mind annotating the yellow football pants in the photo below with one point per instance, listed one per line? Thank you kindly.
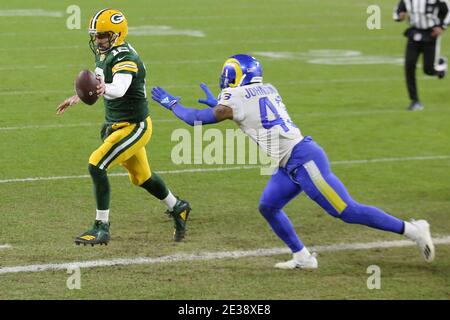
(126, 146)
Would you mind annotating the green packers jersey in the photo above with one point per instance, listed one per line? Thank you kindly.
(133, 106)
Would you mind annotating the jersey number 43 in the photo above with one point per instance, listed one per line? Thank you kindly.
(264, 104)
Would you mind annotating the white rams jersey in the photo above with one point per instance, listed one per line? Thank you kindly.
(260, 113)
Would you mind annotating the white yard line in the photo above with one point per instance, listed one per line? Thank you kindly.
(216, 169)
(7, 92)
(50, 126)
(278, 16)
(5, 246)
(30, 13)
(161, 30)
(80, 66)
(398, 159)
(197, 43)
(203, 256)
(304, 115)
(84, 176)
(70, 125)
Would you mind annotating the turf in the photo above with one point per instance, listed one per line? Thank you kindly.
(354, 111)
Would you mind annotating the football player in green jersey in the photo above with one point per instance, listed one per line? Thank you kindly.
(127, 128)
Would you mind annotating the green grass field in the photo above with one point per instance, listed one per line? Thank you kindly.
(355, 111)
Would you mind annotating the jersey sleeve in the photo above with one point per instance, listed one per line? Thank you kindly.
(231, 98)
(126, 63)
(400, 8)
(444, 13)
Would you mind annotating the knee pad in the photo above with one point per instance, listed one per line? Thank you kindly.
(267, 211)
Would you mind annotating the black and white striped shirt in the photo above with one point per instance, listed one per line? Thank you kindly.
(425, 14)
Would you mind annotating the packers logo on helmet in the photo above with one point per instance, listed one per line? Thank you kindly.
(107, 23)
(117, 18)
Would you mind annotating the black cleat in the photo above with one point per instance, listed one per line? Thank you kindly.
(180, 215)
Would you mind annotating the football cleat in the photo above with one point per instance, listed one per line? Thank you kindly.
(415, 106)
(99, 234)
(422, 237)
(180, 215)
(309, 263)
(441, 68)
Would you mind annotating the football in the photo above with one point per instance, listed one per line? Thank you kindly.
(86, 87)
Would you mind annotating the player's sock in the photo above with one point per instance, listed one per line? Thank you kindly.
(302, 254)
(170, 201)
(410, 230)
(301, 260)
(156, 186)
(101, 187)
(282, 226)
(419, 232)
(102, 215)
(372, 217)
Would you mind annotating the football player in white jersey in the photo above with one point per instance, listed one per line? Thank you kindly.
(258, 110)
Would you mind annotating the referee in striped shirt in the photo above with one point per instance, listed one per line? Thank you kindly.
(427, 20)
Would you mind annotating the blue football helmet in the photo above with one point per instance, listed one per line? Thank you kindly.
(239, 70)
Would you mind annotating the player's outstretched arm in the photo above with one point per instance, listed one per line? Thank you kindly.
(67, 103)
(190, 115)
(210, 100)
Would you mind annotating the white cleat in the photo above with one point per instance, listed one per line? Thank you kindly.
(309, 263)
(422, 237)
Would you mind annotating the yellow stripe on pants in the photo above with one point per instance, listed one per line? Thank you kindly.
(324, 188)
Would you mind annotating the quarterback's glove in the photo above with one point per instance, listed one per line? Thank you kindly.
(164, 98)
(210, 100)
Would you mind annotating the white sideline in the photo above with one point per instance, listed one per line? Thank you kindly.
(203, 256)
(5, 246)
(215, 169)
